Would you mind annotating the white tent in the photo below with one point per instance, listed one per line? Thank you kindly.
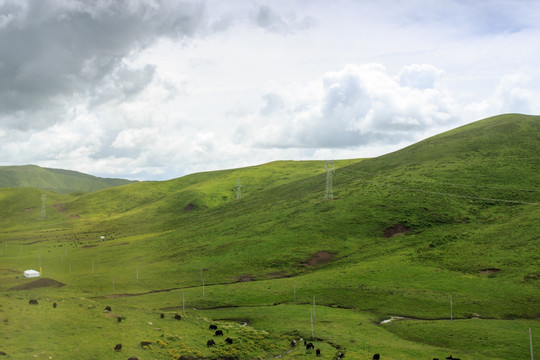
(31, 273)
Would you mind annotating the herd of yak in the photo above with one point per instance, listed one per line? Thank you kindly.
(228, 340)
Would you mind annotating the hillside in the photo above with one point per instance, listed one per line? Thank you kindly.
(57, 180)
(448, 223)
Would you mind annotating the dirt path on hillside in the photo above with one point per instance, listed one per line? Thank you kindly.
(319, 258)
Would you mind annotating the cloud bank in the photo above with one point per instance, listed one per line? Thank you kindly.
(356, 106)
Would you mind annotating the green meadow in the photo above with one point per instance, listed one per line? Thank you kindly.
(442, 237)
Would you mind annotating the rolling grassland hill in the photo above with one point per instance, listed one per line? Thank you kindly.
(442, 235)
(57, 180)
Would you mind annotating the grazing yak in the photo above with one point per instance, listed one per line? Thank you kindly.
(32, 302)
(118, 347)
(108, 308)
(452, 358)
(54, 305)
(318, 352)
(293, 343)
(229, 340)
(309, 346)
(177, 317)
(340, 355)
(162, 315)
(218, 333)
(146, 343)
(212, 327)
(210, 343)
(376, 357)
(134, 358)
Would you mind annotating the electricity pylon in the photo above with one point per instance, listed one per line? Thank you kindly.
(239, 190)
(329, 166)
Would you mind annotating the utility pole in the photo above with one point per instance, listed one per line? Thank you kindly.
(530, 341)
(451, 311)
(329, 166)
(311, 318)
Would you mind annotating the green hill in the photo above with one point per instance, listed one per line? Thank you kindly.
(441, 232)
(57, 180)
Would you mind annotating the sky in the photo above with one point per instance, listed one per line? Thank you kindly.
(158, 89)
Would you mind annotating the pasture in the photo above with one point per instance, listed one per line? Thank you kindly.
(444, 239)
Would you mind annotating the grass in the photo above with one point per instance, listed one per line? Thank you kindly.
(469, 198)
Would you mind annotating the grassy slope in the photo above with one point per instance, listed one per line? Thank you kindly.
(469, 196)
(57, 180)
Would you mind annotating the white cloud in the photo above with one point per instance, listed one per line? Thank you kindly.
(513, 94)
(356, 106)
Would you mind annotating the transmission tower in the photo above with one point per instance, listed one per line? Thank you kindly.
(238, 190)
(43, 197)
(329, 166)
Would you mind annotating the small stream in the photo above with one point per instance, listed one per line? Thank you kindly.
(392, 318)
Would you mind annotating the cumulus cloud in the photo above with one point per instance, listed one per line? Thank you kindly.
(53, 50)
(359, 105)
(153, 89)
(513, 94)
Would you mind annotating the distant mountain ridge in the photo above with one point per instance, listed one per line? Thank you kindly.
(57, 180)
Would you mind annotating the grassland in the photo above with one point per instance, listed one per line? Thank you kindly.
(57, 180)
(467, 204)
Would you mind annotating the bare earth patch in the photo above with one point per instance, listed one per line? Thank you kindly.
(41, 282)
(320, 257)
(395, 230)
(489, 271)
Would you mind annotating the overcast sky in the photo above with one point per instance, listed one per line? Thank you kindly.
(157, 89)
